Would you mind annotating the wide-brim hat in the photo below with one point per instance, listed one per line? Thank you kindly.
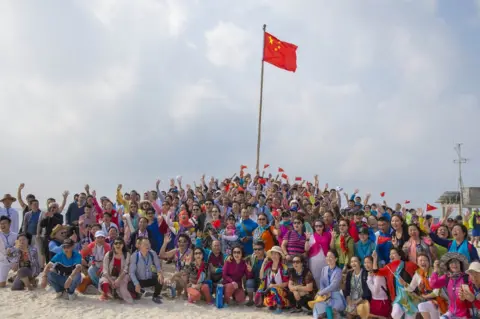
(275, 249)
(448, 257)
(474, 268)
(56, 229)
(8, 197)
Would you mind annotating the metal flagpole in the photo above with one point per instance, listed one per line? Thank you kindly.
(261, 102)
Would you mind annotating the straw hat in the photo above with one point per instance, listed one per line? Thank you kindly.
(56, 229)
(363, 310)
(8, 197)
(448, 257)
(275, 249)
(318, 299)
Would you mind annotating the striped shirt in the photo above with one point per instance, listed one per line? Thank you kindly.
(296, 243)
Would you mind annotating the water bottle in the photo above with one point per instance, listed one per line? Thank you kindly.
(329, 312)
(219, 296)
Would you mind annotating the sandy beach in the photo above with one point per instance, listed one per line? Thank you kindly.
(41, 304)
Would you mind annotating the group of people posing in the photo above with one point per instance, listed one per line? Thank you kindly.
(249, 240)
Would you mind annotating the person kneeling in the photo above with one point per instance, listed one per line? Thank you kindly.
(145, 271)
(64, 271)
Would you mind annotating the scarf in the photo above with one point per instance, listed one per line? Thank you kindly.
(201, 273)
(322, 242)
(461, 249)
(343, 243)
(425, 277)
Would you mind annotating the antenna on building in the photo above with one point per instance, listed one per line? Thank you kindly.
(460, 160)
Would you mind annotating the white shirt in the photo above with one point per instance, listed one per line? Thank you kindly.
(6, 241)
(13, 215)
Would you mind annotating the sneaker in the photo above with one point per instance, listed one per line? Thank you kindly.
(72, 297)
(157, 300)
(249, 303)
(278, 311)
(58, 295)
(272, 308)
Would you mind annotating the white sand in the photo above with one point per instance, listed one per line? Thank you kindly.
(40, 304)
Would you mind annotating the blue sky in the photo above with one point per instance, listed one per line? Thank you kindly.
(106, 92)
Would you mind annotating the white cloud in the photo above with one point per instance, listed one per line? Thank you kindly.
(382, 91)
(228, 45)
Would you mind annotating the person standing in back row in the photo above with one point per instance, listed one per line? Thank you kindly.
(30, 224)
(10, 212)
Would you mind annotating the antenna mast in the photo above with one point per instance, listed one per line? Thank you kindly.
(460, 160)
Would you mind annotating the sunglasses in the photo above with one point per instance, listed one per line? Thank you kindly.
(118, 243)
(319, 226)
(198, 253)
(182, 241)
(297, 261)
(343, 225)
(261, 219)
(257, 249)
(236, 252)
(297, 223)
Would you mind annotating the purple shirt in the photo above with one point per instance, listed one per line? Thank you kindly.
(233, 272)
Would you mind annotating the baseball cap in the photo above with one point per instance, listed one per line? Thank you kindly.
(363, 230)
(68, 243)
(100, 233)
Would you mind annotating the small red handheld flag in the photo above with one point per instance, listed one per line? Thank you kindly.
(382, 194)
(262, 181)
(407, 202)
(430, 207)
(281, 170)
(382, 240)
(285, 176)
(266, 166)
(298, 179)
(243, 167)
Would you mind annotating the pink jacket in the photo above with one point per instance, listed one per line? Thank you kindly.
(456, 306)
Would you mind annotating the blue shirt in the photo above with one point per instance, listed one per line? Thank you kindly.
(245, 229)
(33, 222)
(65, 266)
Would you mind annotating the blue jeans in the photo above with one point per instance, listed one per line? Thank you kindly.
(92, 273)
(251, 285)
(58, 282)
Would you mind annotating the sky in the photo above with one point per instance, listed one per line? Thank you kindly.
(118, 91)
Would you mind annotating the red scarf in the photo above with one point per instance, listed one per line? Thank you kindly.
(343, 244)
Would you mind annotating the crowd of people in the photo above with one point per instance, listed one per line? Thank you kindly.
(252, 240)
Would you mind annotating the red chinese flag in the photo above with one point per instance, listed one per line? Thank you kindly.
(243, 167)
(407, 202)
(266, 166)
(382, 194)
(262, 181)
(279, 53)
(280, 170)
(285, 176)
(298, 179)
(430, 207)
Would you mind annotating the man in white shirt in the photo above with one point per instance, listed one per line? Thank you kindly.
(10, 212)
(7, 242)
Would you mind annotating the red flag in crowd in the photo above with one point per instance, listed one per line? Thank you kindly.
(280, 170)
(407, 202)
(281, 54)
(262, 181)
(285, 176)
(430, 207)
(382, 194)
(382, 240)
(243, 167)
(298, 179)
(266, 166)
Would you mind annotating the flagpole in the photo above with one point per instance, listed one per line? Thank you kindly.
(259, 137)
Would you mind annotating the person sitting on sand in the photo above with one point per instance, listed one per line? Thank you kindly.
(234, 270)
(64, 271)
(26, 264)
(7, 242)
(145, 271)
(197, 275)
(182, 256)
(93, 254)
(114, 280)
